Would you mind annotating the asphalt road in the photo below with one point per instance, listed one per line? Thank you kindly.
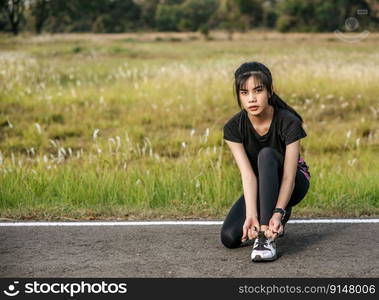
(307, 250)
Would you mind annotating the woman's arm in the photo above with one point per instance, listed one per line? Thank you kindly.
(249, 180)
(289, 173)
(286, 187)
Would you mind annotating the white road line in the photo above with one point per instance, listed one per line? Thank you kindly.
(149, 223)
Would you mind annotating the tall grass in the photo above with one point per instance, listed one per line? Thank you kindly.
(109, 128)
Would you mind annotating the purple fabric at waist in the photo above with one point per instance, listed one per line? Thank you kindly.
(304, 168)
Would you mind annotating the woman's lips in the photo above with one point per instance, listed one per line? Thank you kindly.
(253, 107)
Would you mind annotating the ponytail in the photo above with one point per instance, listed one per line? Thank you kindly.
(275, 100)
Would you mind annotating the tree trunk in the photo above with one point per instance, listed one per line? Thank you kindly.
(40, 12)
(14, 28)
(14, 10)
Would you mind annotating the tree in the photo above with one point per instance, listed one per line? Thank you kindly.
(14, 9)
(227, 17)
(120, 15)
(4, 23)
(148, 10)
(295, 15)
(196, 13)
(251, 12)
(318, 15)
(167, 17)
(269, 15)
(40, 12)
(93, 16)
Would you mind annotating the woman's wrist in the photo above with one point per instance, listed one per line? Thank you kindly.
(252, 215)
(277, 215)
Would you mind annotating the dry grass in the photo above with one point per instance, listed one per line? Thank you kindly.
(130, 126)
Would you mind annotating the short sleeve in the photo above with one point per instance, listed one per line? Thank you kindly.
(231, 131)
(293, 130)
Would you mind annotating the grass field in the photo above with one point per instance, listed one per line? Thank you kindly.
(130, 126)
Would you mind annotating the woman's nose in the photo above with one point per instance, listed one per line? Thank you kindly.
(251, 97)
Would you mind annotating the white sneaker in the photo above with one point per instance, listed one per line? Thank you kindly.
(263, 249)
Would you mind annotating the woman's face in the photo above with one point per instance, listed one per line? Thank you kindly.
(254, 97)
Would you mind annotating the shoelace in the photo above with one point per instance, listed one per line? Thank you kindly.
(262, 241)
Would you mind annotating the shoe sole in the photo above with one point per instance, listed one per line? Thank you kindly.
(258, 258)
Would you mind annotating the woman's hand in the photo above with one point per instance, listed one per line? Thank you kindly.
(275, 226)
(250, 228)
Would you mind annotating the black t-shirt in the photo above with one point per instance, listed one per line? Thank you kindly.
(285, 128)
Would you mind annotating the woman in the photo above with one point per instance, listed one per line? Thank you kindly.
(264, 138)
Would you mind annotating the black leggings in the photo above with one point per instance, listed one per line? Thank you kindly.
(270, 170)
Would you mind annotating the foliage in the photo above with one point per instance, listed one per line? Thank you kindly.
(113, 16)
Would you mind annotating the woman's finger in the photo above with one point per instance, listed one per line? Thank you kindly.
(277, 227)
(274, 233)
(250, 234)
(281, 228)
(243, 234)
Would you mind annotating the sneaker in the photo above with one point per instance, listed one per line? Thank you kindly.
(264, 249)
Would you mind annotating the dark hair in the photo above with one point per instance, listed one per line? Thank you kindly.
(263, 75)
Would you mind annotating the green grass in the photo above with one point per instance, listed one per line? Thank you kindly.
(158, 108)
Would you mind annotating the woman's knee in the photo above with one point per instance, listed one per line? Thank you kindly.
(267, 154)
(300, 190)
(230, 239)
